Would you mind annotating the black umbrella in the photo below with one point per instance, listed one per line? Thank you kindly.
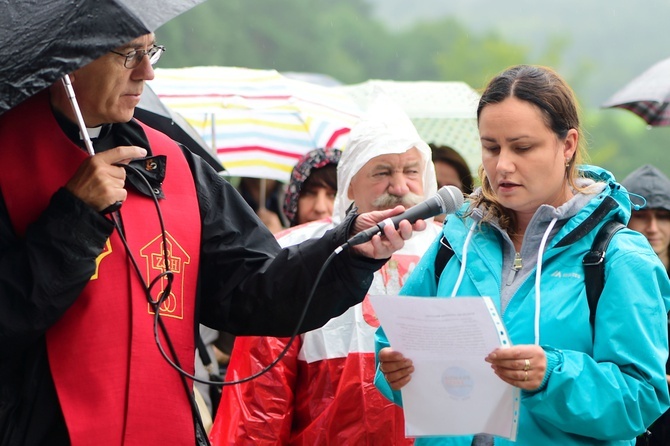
(40, 40)
(153, 112)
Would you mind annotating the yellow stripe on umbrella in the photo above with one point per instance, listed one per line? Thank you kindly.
(259, 122)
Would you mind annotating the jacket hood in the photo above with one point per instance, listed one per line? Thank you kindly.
(650, 183)
(385, 129)
(613, 189)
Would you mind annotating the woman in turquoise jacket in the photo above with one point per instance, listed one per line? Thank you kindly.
(521, 240)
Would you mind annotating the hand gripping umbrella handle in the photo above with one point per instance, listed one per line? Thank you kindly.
(111, 208)
(84, 133)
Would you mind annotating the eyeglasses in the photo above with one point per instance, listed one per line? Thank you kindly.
(134, 57)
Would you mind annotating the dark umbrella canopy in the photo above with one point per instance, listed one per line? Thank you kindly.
(648, 95)
(40, 40)
(154, 113)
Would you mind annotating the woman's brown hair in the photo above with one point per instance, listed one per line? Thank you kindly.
(545, 89)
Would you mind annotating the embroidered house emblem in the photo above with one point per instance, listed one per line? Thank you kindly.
(152, 253)
(107, 250)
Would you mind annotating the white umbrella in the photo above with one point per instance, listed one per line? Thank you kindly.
(444, 113)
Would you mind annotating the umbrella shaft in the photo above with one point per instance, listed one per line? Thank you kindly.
(77, 111)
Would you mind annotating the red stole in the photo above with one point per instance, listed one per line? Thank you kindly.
(113, 385)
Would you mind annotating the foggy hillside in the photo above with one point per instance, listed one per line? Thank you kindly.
(612, 40)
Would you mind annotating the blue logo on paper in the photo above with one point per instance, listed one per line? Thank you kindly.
(457, 382)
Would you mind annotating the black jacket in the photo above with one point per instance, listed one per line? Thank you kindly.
(247, 284)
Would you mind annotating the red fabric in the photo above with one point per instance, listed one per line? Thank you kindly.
(322, 392)
(328, 402)
(340, 418)
(113, 385)
(258, 412)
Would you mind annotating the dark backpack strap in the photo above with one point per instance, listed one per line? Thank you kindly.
(594, 265)
(590, 222)
(444, 253)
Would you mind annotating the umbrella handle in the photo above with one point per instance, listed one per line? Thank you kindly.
(111, 208)
(261, 193)
(77, 111)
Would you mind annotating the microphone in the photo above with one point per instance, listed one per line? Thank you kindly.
(447, 201)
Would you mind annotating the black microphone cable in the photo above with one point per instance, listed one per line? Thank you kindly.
(114, 217)
(156, 303)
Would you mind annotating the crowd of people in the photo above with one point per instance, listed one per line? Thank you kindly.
(103, 307)
(321, 392)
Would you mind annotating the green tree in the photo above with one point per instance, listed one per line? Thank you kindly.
(334, 38)
(620, 141)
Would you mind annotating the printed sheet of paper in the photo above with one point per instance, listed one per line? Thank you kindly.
(453, 391)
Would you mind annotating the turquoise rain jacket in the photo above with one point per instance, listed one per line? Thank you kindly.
(604, 390)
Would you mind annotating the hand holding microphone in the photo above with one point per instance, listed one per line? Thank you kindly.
(447, 200)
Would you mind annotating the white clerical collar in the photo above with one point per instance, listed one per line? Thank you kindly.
(93, 132)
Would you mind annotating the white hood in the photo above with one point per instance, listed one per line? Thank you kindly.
(385, 129)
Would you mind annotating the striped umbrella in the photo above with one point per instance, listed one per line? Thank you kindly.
(259, 122)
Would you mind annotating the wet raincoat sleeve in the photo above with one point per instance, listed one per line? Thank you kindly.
(260, 411)
(43, 273)
(248, 285)
(619, 390)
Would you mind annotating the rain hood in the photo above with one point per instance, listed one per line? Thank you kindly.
(385, 129)
(650, 183)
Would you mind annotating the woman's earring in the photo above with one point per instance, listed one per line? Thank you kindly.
(567, 162)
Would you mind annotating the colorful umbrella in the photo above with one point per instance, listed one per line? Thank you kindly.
(260, 122)
(444, 113)
(648, 95)
(154, 113)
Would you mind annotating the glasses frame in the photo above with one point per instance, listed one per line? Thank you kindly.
(134, 58)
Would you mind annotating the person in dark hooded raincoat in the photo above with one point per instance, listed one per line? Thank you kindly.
(653, 221)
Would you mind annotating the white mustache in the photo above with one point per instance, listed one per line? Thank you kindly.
(388, 201)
